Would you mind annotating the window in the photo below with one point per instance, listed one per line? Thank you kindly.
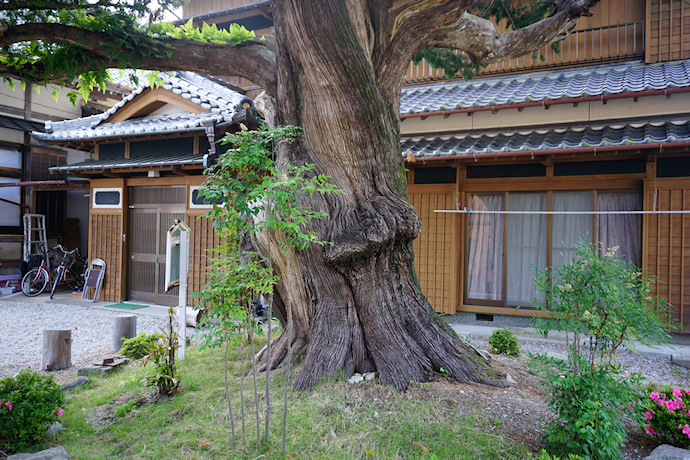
(503, 248)
(434, 176)
(107, 198)
(197, 200)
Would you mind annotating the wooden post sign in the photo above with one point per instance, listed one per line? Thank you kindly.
(176, 260)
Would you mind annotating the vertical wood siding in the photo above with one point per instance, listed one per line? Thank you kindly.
(667, 243)
(203, 238)
(668, 30)
(434, 249)
(105, 243)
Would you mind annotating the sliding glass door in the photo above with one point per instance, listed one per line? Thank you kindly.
(503, 249)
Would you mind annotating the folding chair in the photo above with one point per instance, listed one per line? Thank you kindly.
(94, 280)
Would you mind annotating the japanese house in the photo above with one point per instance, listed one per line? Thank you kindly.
(145, 171)
(602, 125)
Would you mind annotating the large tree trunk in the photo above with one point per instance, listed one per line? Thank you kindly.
(360, 307)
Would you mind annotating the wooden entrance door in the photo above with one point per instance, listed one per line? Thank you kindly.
(152, 211)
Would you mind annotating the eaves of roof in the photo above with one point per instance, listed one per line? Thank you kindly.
(19, 124)
(657, 133)
(549, 87)
(129, 163)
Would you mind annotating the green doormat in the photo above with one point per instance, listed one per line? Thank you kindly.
(126, 306)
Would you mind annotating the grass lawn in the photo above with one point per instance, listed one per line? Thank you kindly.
(112, 418)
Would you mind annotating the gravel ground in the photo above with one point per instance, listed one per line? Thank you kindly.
(22, 324)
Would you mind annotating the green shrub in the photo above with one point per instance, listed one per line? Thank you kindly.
(139, 346)
(544, 455)
(664, 410)
(29, 403)
(601, 302)
(590, 404)
(503, 341)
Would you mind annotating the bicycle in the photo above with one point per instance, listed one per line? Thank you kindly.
(36, 280)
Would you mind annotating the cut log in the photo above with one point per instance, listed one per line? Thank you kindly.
(124, 327)
(57, 349)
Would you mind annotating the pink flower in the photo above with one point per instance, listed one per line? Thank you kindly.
(677, 393)
(686, 430)
(648, 415)
(649, 430)
(60, 411)
(654, 396)
(9, 405)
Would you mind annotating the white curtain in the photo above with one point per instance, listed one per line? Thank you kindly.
(622, 230)
(485, 248)
(526, 246)
(568, 229)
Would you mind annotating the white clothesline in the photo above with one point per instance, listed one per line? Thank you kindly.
(471, 211)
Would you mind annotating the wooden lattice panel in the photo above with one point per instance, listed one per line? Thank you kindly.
(667, 244)
(105, 242)
(202, 238)
(435, 247)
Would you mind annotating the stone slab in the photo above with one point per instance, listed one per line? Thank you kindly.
(79, 381)
(681, 360)
(666, 452)
(55, 453)
(93, 369)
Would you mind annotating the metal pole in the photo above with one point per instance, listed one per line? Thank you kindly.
(184, 257)
(470, 211)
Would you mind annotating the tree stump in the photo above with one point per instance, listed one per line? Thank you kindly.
(124, 327)
(57, 349)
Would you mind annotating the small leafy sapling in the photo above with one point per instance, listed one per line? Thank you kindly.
(601, 303)
(254, 194)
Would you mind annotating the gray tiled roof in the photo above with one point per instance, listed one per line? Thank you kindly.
(547, 85)
(534, 140)
(148, 162)
(157, 124)
(220, 101)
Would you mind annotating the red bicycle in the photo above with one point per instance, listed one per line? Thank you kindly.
(36, 280)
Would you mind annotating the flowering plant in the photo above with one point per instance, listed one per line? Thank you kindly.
(666, 414)
(29, 403)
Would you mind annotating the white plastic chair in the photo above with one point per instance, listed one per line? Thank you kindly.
(94, 280)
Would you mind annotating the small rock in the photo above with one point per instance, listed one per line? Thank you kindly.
(56, 453)
(369, 376)
(376, 414)
(79, 381)
(666, 452)
(356, 378)
(54, 429)
(510, 380)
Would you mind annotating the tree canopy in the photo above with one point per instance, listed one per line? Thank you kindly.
(57, 41)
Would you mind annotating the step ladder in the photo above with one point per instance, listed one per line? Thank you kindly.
(35, 238)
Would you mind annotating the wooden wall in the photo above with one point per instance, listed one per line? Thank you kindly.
(614, 32)
(666, 244)
(668, 30)
(205, 6)
(436, 247)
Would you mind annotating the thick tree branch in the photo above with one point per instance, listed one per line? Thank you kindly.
(58, 5)
(254, 60)
(481, 41)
